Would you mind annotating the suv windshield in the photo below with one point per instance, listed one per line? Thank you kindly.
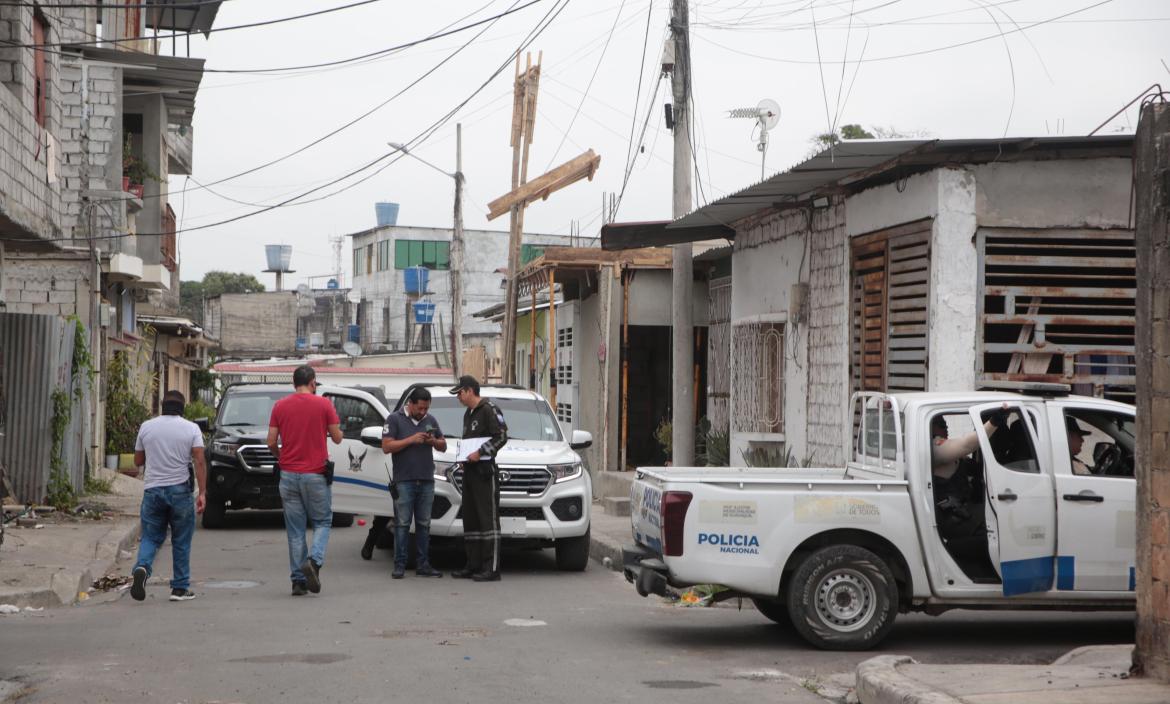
(528, 419)
(248, 409)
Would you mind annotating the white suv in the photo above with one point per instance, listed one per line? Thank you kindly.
(545, 491)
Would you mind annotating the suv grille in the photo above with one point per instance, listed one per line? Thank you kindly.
(519, 480)
(530, 513)
(257, 458)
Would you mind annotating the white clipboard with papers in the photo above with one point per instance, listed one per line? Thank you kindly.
(468, 446)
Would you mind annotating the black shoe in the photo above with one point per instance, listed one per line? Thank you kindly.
(398, 573)
(138, 589)
(485, 577)
(299, 589)
(312, 571)
(465, 573)
(369, 545)
(428, 571)
(182, 595)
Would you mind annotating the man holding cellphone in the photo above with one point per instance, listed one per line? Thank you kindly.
(410, 435)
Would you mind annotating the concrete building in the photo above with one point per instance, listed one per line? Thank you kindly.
(918, 264)
(382, 256)
(76, 241)
(250, 325)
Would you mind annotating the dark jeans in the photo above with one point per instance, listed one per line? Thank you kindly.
(168, 507)
(415, 498)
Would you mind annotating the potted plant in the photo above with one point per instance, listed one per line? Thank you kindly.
(135, 171)
(125, 412)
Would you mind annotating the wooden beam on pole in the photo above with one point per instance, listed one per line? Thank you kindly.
(582, 166)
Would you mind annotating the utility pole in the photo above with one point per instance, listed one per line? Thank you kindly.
(457, 261)
(682, 420)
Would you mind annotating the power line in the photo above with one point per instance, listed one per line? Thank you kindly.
(262, 23)
(546, 21)
(585, 95)
(115, 6)
(912, 54)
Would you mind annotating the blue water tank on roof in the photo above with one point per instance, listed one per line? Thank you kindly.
(354, 333)
(416, 280)
(424, 312)
(387, 213)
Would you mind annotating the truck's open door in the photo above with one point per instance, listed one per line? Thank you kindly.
(1020, 508)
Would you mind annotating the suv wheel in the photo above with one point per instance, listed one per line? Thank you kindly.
(342, 520)
(572, 553)
(214, 513)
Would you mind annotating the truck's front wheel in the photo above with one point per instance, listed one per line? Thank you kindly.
(572, 553)
(843, 597)
(214, 513)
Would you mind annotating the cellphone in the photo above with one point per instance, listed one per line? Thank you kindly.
(431, 432)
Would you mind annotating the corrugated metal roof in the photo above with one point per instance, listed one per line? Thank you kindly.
(181, 15)
(176, 78)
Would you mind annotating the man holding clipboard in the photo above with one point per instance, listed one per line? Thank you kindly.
(484, 434)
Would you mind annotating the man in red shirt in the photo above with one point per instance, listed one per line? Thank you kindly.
(300, 423)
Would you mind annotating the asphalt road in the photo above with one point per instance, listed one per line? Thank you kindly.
(537, 636)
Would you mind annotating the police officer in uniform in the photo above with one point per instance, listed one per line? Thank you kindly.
(481, 488)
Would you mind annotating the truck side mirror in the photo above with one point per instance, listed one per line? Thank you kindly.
(581, 439)
(372, 436)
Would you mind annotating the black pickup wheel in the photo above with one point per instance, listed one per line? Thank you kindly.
(843, 597)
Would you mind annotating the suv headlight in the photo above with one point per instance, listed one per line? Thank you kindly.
(565, 472)
(223, 447)
(443, 471)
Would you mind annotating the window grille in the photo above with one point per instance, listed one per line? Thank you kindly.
(564, 356)
(758, 377)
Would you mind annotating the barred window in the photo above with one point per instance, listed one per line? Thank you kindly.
(757, 351)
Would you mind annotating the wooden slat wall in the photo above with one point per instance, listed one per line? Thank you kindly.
(889, 308)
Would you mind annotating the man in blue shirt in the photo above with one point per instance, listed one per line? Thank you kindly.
(410, 435)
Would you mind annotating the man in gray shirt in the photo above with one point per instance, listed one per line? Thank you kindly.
(167, 445)
(409, 435)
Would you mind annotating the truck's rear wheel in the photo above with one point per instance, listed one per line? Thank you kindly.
(843, 597)
(342, 520)
(572, 553)
(773, 611)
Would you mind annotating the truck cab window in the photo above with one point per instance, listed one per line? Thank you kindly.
(1100, 443)
(354, 414)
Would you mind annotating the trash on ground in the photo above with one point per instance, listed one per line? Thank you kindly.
(110, 581)
(700, 595)
(9, 609)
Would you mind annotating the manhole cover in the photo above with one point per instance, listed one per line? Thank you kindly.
(678, 684)
(307, 658)
(232, 584)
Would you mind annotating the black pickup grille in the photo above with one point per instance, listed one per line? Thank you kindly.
(519, 480)
(257, 458)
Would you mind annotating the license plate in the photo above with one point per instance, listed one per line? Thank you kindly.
(513, 526)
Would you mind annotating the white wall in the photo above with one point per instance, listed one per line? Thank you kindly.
(1081, 193)
(954, 285)
(651, 295)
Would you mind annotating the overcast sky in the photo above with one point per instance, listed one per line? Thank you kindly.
(935, 67)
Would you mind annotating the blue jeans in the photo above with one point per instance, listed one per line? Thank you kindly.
(307, 501)
(414, 502)
(162, 507)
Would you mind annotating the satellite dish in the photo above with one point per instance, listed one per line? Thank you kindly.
(354, 296)
(353, 349)
(769, 111)
(303, 289)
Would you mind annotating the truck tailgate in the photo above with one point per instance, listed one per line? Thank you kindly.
(645, 519)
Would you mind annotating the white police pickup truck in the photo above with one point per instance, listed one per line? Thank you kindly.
(976, 500)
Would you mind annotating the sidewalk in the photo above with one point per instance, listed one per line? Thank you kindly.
(51, 565)
(607, 534)
(1096, 674)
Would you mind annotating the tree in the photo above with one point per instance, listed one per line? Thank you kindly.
(828, 139)
(192, 293)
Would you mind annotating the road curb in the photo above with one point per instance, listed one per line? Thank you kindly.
(603, 548)
(65, 584)
(880, 682)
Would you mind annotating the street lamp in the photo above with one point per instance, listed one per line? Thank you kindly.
(456, 248)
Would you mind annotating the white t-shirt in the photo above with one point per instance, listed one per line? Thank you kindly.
(167, 441)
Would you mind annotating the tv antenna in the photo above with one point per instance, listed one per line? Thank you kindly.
(766, 115)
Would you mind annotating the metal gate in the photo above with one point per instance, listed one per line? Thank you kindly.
(567, 361)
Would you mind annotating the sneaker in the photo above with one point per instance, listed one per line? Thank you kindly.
(398, 573)
(485, 577)
(298, 589)
(465, 573)
(312, 573)
(428, 571)
(138, 588)
(182, 595)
